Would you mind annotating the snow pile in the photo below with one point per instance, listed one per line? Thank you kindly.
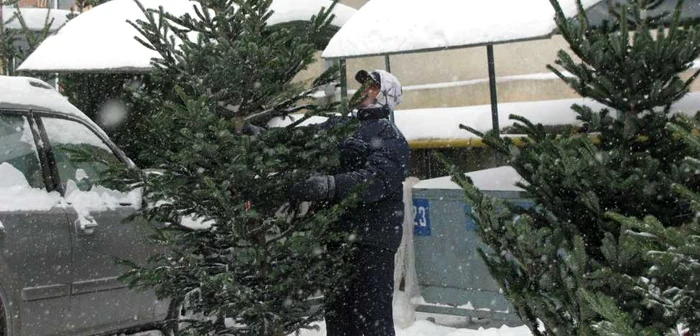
(99, 198)
(10, 177)
(35, 18)
(396, 26)
(102, 38)
(17, 195)
(494, 179)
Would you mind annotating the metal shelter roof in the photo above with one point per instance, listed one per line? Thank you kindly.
(384, 27)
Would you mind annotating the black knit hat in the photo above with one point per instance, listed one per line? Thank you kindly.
(363, 76)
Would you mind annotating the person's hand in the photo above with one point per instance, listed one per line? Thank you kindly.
(250, 129)
(315, 188)
(288, 210)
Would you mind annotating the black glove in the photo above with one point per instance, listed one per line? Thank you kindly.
(354, 153)
(250, 129)
(315, 188)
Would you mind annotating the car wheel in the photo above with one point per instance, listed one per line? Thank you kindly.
(180, 317)
(3, 320)
(171, 325)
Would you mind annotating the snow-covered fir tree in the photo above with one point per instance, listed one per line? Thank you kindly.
(671, 282)
(575, 263)
(252, 265)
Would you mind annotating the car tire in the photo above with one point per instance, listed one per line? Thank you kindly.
(179, 315)
(8, 315)
(171, 325)
(3, 319)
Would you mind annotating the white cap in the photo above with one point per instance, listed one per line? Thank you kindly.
(391, 92)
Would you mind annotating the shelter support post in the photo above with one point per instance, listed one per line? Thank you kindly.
(387, 66)
(493, 89)
(2, 32)
(343, 78)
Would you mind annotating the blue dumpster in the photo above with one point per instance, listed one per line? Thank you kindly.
(450, 273)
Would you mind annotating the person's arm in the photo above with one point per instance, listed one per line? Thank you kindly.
(332, 122)
(250, 129)
(383, 167)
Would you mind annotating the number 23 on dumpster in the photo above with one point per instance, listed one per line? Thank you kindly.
(421, 217)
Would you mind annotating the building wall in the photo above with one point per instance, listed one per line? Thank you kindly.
(62, 4)
(354, 3)
(32, 3)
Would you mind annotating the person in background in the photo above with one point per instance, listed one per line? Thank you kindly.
(375, 160)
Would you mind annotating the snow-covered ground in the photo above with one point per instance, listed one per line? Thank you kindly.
(420, 327)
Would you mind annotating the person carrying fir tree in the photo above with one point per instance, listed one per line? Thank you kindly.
(375, 161)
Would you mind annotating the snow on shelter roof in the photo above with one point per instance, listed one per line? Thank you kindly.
(101, 39)
(384, 27)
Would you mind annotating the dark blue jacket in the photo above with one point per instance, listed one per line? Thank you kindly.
(377, 165)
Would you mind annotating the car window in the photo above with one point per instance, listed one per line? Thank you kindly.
(81, 155)
(18, 153)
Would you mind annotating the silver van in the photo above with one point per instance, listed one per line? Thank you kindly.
(60, 230)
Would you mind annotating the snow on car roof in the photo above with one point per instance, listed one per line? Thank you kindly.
(32, 93)
(401, 26)
(101, 39)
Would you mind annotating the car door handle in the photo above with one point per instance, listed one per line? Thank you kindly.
(86, 225)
